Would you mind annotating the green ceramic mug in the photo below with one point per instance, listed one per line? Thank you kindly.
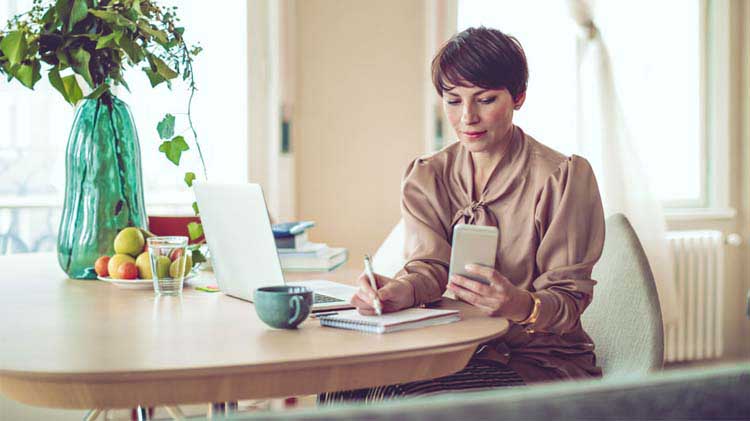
(283, 307)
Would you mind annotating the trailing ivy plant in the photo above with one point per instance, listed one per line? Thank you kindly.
(98, 40)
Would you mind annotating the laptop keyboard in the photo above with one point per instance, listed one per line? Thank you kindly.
(320, 299)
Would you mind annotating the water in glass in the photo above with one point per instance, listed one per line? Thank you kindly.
(168, 263)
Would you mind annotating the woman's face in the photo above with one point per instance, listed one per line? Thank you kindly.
(482, 118)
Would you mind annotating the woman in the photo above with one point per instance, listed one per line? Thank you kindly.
(546, 206)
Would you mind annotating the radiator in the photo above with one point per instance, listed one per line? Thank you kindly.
(699, 280)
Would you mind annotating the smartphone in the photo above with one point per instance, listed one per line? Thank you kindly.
(473, 244)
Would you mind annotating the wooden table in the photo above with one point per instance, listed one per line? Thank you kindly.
(88, 344)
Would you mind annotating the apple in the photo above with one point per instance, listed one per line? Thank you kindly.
(129, 241)
(116, 261)
(143, 263)
(175, 254)
(100, 266)
(127, 270)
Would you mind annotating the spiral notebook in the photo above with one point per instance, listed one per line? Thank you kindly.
(412, 318)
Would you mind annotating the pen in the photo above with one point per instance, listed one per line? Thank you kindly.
(330, 313)
(373, 284)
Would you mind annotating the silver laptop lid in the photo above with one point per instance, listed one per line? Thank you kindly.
(238, 232)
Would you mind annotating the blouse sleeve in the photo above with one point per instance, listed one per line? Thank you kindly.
(427, 251)
(570, 225)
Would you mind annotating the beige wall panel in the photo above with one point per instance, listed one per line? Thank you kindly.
(358, 117)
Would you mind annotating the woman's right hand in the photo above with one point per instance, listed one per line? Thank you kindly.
(394, 294)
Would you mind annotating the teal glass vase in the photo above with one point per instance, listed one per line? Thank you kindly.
(103, 185)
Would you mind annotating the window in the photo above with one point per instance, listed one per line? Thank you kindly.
(34, 128)
(658, 75)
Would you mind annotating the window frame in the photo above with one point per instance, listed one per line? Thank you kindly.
(715, 102)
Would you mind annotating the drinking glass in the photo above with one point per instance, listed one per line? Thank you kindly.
(168, 258)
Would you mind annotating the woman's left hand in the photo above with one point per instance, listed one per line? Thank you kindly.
(498, 299)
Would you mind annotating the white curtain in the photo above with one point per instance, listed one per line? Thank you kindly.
(603, 138)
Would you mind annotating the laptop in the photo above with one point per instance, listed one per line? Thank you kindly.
(243, 252)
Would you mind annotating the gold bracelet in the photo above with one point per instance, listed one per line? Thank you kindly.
(534, 312)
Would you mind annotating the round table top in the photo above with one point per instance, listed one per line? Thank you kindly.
(57, 329)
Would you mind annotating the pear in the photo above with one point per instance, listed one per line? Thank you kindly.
(178, 267)
(129, 241)
(162, 267)
(188, 263)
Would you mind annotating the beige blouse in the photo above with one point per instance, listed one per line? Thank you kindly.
(549, 213)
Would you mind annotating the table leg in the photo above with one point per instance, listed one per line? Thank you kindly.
(92, 415)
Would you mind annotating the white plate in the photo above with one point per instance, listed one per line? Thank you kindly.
(135, 283)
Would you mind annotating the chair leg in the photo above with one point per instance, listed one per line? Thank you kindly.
(175, 412)
(219, 410)
(141, 413)
(92, 415)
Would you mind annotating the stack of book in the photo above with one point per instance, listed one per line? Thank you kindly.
(298, 254)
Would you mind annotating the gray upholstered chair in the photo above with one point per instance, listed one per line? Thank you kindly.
(624, 319)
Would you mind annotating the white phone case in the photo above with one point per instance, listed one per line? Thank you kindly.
(473, 244)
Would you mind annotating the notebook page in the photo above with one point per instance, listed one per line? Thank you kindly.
(391, 319)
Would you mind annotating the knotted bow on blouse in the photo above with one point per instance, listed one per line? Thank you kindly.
(476, 213)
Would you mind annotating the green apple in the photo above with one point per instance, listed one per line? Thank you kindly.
(129, 241)
(143, 263)
(162, 266)
(115, 262)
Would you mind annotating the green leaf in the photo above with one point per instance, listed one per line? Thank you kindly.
(56, 81)
(158, 35)
(136, 8)
(78, 12)
(113, 18)
(68, 86)
(7, 68)
(195, 230)
(107, 40)
(174, 149)
(63, 11)
(62, 57)
(71, 87)
(166, 127)
(198, 257)
(49, 17)
(28, 75)
(14, 47)
(162, 68)
(80, 63)
(153, 77)
(195, 208)
(122, 82)
(189, 178)
(101, 89)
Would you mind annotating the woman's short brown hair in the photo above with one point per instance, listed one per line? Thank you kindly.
(483, 57)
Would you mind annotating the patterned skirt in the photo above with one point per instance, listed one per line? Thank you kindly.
(477, 375)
